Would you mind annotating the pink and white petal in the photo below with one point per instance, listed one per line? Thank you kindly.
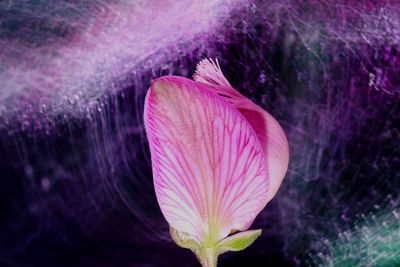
(274, 142)
(268, 130)
(208, 164)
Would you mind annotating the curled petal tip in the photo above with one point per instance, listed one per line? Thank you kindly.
(209, 72)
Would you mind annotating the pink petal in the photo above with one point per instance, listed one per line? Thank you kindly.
(268, 130)
(273, 141)
(208, 163)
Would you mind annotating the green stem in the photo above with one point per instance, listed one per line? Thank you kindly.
(208, 257)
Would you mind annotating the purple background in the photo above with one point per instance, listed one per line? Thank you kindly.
(76, 186)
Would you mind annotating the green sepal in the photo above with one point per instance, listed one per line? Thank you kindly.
(208, 255)
(183, 240)
(238, 242)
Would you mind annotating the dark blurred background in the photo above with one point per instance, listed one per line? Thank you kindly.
(76, 184)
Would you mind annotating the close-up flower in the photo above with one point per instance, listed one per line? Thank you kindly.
(182, 133)
(217, 160)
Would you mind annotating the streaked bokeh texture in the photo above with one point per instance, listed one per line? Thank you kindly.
(76, 184)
